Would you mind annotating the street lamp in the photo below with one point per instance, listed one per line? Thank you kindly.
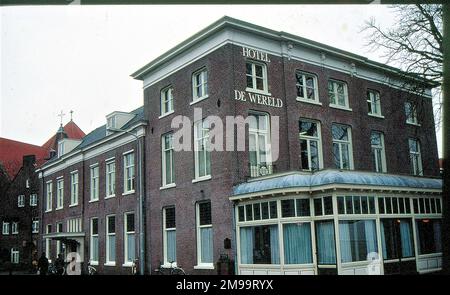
(141, 197)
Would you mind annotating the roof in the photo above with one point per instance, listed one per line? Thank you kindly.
(12, 152)
(330, 177)
(100, 133)
(71, 129)
(272, 34)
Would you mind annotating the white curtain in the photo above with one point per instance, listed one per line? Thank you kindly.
(371, 236)
(206, 240)
(345, 242)
(274, 246)
(405, 235)
(297, 243)
(131, 247)
(171, 245)
(325, 243)
(246, 244)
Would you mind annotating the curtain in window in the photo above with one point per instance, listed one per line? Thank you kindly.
(171, 245)
(383, 241)
(112, 248)
(130, 247)
(94, 249)
(345, 242)
(246, 244)
(371, 236)
(274, 246)
(326, 243)
(297, 243)
(405, 234)
(206, 245)
(437, 235)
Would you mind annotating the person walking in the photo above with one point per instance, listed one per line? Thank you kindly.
(43, 265)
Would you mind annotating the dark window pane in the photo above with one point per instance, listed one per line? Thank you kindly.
(349, 204)
(287, 208)
(416, 206)
(401, 203)
(388, 205)
(304, 154)
(130, 222)
(390, 245)
(265, 210)
(421, 205)
(308, 128)
(303, 207)
(341, 205)
(429, 236)
(364, 205)
(433, 205)
(205, 213)
(407, 206)
(241, 213)
(273, 209)
(328, 204)
(248, 212)
(357, 204)
(95, 226)
(438, 206)
(372, 205)
(111, 224)
(257, 211)
(170, 217)
(427, 205)
(381, 205)
(394, 206)
(318, 207)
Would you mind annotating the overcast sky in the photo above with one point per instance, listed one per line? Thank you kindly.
(80, 58)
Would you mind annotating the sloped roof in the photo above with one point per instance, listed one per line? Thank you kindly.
(12, 152)
(71, 129)
(329, 177)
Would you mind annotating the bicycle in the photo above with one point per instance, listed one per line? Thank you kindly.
(172, 270)
(91, 270)
(134, 267)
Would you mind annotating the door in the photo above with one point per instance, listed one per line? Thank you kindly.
(398, 246)
(325, 248)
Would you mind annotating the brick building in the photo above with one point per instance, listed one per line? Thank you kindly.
(355, 174)
(336, 169)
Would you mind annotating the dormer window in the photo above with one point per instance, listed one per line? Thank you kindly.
(111, 122)
(60, 148)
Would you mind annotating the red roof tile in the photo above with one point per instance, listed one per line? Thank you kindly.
(73, 132)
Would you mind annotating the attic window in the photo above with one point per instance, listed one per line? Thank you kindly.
(60, 149)
(111, 122)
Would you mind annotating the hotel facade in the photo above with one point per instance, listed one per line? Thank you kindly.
(337, 171)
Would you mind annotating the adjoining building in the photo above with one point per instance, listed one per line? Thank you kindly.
(89, 195)
(353, 189)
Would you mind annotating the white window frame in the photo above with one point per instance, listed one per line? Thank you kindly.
(91, 246)
(59, 194)
(111, 122)
(27, 183)
(108, 234)
(373, 98)
(48, 242)
(205, 153)
(312, 138)
(165, 230)
(94, 181)
(127, 167)
(411, 115)
(58, 242)
(342, 142)
(380, 147)
(15, 255)
(60, 148)
(126, 236)
(417, 168)
(74, 178)
(200, 264)
(335, 92)
(35, 226)
(33, 200)
(170, 150)
(166, 96)
(49, 196)
(21, 201)
(203, 84)
(5, 228)
(304, 97)
(265, 89)
(256, 132)
(110, 168)
(15, 228)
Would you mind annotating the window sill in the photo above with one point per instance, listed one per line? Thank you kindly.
(47, 211)
(93, 201)
(110, 197)
(35, 232)
(166, 114)
(376, 116)
(73, 205)
(32, 205)
(413, 124)
(110, 264)
(58, 208)
(94, 263)
(127, 264)
(335, 106)
(258, 91)
(128, 193)
(204, 266)
(198, 100)
(311, 101)
(203, 178)
(168, 186)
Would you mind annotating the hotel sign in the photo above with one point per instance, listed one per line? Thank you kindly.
(256, 98)
(255, 54)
